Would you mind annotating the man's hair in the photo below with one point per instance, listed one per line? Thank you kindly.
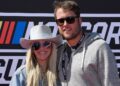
(67, 5)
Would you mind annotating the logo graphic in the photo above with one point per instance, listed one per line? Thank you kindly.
(7, 30)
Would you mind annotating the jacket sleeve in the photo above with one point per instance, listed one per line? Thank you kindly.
(107, 68)
(18, 78)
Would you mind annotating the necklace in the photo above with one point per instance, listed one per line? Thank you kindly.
(44, 81)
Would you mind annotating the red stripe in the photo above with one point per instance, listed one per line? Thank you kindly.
(9, 35)
(4, 30)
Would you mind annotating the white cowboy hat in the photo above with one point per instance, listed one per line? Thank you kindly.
(40, 32)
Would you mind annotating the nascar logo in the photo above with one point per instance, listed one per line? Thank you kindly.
(7, 28)
(12, 31)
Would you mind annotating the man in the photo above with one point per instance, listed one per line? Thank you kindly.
(84, 59)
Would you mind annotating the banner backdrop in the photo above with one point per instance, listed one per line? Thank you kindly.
(15, 24)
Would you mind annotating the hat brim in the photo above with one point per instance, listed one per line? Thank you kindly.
(26, 43)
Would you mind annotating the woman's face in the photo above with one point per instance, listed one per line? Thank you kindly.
(42, 50)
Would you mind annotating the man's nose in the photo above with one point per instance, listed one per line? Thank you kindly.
(65, 22)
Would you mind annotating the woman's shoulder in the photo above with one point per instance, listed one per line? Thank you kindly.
(21, 71)
(19, 77)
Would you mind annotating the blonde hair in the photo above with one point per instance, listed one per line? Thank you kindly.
(33, 69)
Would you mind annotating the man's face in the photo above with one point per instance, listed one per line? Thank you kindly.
(68, 23)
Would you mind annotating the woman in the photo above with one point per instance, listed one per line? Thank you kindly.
(40, 67)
